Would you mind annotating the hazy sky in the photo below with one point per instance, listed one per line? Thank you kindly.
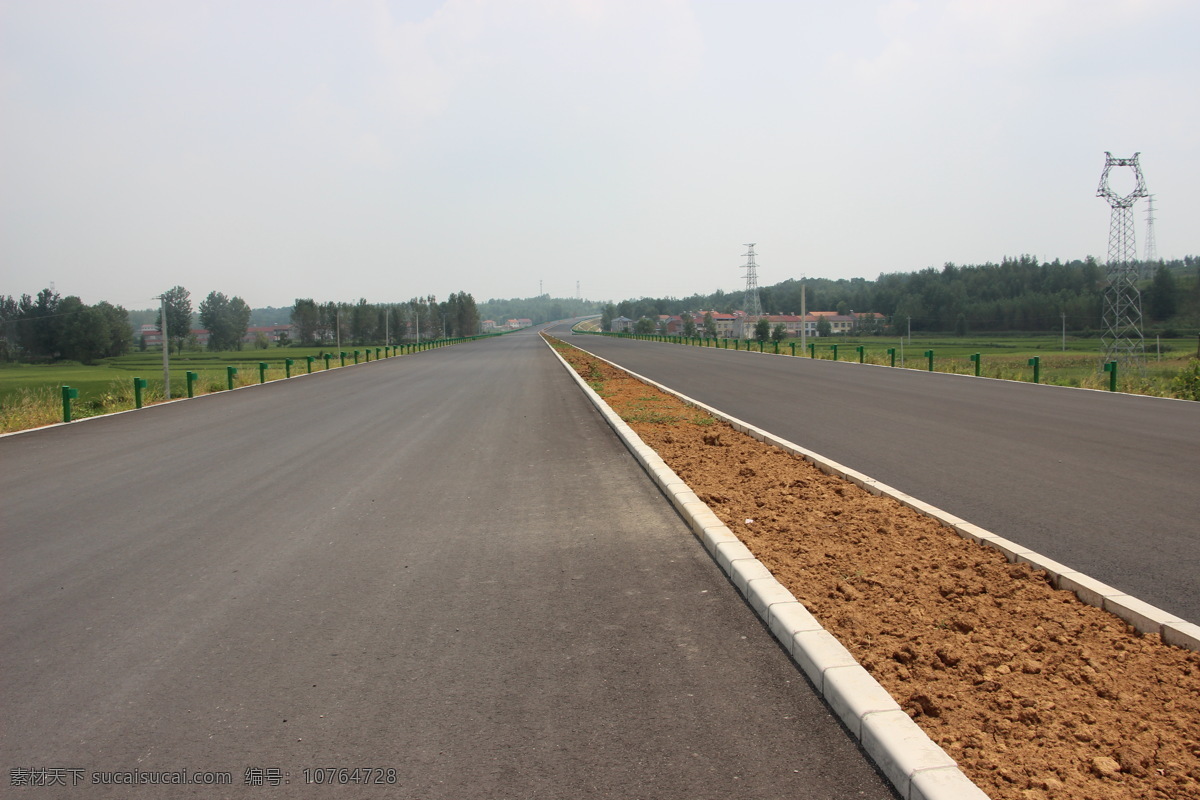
(345, 149)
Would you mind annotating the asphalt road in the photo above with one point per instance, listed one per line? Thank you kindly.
(1108, 484)
(443, 565)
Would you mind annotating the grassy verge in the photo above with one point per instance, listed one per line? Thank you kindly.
(1169, 372)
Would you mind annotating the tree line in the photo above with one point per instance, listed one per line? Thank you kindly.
(366, 323)
(1018, 294)
(49, 326)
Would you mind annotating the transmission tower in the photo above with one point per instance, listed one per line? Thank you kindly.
(750, 301)
(1122, 340)
(1151, 256)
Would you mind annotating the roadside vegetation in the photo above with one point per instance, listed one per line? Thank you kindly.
(1172, 366)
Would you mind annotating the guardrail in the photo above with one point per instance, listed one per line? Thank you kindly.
(723, 343)
(231, 372)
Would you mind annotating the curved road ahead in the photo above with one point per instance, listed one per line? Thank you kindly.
(444, 564)
(1108, 484)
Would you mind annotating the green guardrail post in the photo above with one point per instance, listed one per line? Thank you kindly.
(929, 355)
(812, 349)
(192, 377)
(977, 358)
(262, 372)
(368, 352)
(356, 356)
(229, 373)
(777, 347)
(1036, 363)
(138, 385)
(377, 349)
(737, 344)
(861, 353)
(834, 348)
(1111, 368)
(760, 345)
(892, 355)
(68, 394)
(793, 346)
(342, 356)
(327, 357)
(308, 365)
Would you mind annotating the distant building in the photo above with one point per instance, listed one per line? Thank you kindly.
(621, 325)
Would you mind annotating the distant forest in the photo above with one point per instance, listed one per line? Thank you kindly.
(1018, 294)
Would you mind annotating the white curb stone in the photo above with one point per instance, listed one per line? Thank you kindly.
(900, 748)
(853, 694)
(817, 651)
(788, 619)
(745, 570)
(1141, 615)
(943, 784)
(762, 593)
(1182, 634)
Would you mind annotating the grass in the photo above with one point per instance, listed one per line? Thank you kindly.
(31, 394)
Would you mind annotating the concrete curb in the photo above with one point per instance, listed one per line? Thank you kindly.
(916, 766)
(1144, 617)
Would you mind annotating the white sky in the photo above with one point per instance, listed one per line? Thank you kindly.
(345, 149)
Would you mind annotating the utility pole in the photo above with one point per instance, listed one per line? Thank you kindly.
(803, 316)
(910, 330)
(166, 339)
(339, 328)
(166, 347)
(386, 334)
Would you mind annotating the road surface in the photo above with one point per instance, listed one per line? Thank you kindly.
(443, 564)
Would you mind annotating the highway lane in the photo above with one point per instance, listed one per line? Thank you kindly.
(1108, 484)
(443, 564)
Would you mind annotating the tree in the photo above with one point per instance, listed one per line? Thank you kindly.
(762, 329)
(1163, 293)
(607, 315)
(823, 326)
(779, 332)
(689, 326)
(225, 320)
(178, 302)
(217, 320)
(239, 314)
(710, 326)
(306, 318)
(644, 325)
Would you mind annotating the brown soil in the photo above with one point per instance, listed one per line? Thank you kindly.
(1035, 694)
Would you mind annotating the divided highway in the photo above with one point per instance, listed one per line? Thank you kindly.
(1108, 484)
(443, 570)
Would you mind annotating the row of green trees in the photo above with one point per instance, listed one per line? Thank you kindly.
(1018, 294)
(367, 323)
(225, 318)
(542, 308)
(49, 326)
